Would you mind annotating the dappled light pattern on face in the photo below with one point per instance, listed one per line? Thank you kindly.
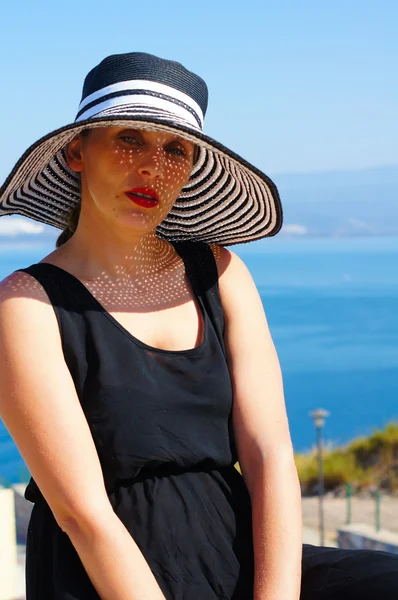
(116, 162)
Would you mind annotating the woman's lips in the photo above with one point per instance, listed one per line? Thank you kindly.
(145, 197)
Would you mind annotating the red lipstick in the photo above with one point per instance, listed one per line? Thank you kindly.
(145, 197)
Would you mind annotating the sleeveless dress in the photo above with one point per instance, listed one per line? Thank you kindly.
(161, 424)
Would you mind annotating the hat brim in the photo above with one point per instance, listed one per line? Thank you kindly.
(226, 200)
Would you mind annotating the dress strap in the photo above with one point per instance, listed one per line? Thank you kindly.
(202, 271)
(71, 302)
(42, 274)
(63, 289)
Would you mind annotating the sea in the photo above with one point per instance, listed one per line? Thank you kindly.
(332, 309)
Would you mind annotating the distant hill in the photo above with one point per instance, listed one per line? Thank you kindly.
(331, 204)
(340, 203)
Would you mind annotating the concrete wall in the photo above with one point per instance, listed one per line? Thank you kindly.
(364, 537)
(8, 547)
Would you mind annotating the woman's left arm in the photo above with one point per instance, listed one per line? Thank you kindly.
(262, 434)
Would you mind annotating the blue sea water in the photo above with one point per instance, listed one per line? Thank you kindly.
(332, 307)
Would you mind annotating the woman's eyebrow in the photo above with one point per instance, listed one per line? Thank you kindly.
(180, 140)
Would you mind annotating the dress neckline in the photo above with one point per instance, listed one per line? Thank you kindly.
(126, 332)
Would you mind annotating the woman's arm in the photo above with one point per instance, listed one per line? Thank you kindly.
(41, 410)
(262, 434)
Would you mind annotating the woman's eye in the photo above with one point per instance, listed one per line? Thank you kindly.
(129, 139)
(177, 150)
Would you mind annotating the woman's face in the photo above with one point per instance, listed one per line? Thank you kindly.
(130, 177)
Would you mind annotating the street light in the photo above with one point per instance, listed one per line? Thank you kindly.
(319, 415)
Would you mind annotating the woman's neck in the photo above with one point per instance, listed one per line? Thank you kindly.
(135, 259)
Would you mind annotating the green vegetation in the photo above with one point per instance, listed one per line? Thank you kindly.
(366, 463)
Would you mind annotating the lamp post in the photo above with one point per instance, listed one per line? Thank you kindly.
(319, 415)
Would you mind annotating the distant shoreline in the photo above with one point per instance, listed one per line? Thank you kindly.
(26, 242)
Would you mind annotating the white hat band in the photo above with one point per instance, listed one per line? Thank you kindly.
(140, 100)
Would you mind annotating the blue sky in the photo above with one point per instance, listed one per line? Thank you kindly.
(294, 85)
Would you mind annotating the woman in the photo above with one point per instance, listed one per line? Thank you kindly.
(147, 368)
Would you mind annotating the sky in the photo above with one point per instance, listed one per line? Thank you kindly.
(294, 86)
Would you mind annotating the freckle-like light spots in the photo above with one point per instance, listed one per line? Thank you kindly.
(124, 159)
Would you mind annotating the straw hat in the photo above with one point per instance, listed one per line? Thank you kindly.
(226, 200)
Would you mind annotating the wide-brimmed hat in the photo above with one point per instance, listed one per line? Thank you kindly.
(226, 200)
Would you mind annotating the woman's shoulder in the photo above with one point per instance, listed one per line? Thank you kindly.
(22, 298)
(235, 282)
(30, 282)
(228, 262)
(21, 284)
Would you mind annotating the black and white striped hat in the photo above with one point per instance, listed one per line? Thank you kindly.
(226, 200)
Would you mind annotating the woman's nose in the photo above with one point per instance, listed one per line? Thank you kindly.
(151, 165)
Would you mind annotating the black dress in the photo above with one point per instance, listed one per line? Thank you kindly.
(161, 423)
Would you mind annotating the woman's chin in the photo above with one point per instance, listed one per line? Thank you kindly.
(139, 220)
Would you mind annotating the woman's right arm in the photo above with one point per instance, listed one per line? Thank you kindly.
(40, 409)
